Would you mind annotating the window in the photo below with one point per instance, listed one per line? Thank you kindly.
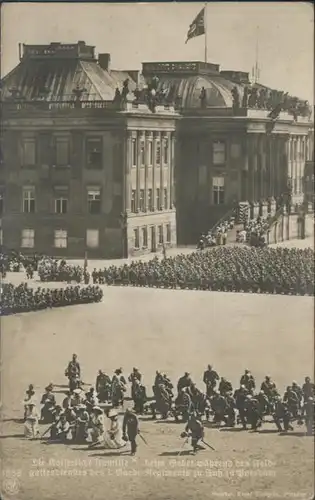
(94, 156)
(158, 199)
(1, 204)
(29, 200)
(218, 153)
(60, 239)
(92, 238)
(136, 238)
(29, 152)
(141, 201)
(158, 153)
(168, 233)
(165, 199)
(62, 152)
(142, 154)
(150, 154)
(28, 238)
(134, 152)
(94, 201)
(218, 190)
(144, 237)
(133, 201)
(61, 205)
(160, 230)
(165, 159)
(150, 200)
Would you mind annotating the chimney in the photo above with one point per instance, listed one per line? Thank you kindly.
(104, 61)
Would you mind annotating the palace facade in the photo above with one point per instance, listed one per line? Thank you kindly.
(96, 160)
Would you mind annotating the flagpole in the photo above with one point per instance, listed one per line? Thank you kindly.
(206, 38)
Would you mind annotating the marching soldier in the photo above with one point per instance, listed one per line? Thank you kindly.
(183, 404)
(210, 378)
(131, 429)
(263, 403)
(253, 415)
(231, 405)
(248, 381)
(225, 386)
(298, 391)
(183, 382)
(291, 398)
(282, 414)
(308, 415)
(163, 400)
(219, 408)
(139, 397)
(240, 398)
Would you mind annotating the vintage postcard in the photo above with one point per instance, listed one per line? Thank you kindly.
(157, 251)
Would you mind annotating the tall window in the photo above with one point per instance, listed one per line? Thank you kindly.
(141, 201)
(168, 233)
(136, 238)
(150, 200)
(62, 151)
(160, 230)
(133, 201)
(158, 199)
(28, 238)
(144, 237)
(165, 152)
(94, 201)
(60, 238)
(150, 154)
(61, 205)
(218, 152)
(94, 153)
(218, 190)
(92, 238)
(158, 153)
(142, 154)
(134, 152)
(29, 152)
(28, 200)
(165, 199)
(1, 204)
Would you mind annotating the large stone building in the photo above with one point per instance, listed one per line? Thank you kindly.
(88, 167)
(83, 170)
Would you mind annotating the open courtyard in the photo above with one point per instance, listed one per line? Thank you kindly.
(173, 331)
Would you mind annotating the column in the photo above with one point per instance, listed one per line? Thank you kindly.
(139, 138)
(162, 138)
(148, 136)
(169, 178)
(127, 169)
(154, 172)
(172, 170)
(276, 167)
(252, 164)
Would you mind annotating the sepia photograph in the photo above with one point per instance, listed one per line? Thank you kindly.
(157, 251)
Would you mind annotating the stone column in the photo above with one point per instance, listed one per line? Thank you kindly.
(272, 166)
(148, 136)
(139, 138)
(154, 172)
(168, 184)
(127, 170)
(162, 139)
(172, 170)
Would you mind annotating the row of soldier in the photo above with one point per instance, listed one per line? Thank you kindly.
(23, 298)
(244, 405)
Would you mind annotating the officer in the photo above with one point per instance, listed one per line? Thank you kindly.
(210, 378)
(282, 414)
(194, 429)
(248, 380)
(131, 429)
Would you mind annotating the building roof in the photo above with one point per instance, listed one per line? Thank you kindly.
(54, 78)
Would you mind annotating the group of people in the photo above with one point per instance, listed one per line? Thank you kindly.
(217, 236)
(53, 270)
(23, 298)
(12, 261)
(82, 416)
(229, 268)
(254, 232)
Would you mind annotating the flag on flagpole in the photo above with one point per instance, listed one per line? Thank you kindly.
(197, 27)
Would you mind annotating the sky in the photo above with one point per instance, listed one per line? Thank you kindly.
(140, 32)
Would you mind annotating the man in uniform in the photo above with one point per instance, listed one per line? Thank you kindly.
(184, 381)
(73, 372)
(139, 397)
(118, 388)
(248, 380)
(308, 414)
(131, 429)
(219, 408)
(291, 398)
(282, 414)
(308, 389)
(240, 397)
(134, 376)
(103, 386)
(194, 429)
(224, 386)
(210, 378)
(252, 411)
(183, 404)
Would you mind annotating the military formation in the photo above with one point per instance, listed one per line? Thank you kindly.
(12, 261)
(93, 416)
(23, 298)
(225, 268)
(52, 270)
